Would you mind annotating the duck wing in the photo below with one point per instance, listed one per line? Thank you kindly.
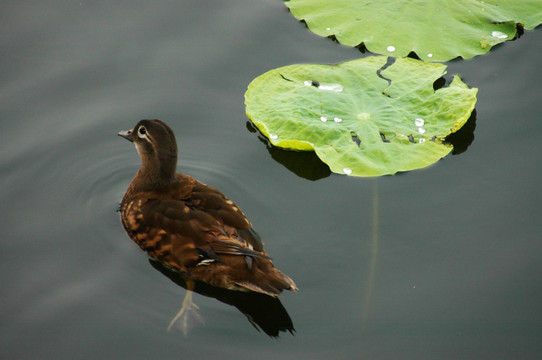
(184, 228)
(212, 201)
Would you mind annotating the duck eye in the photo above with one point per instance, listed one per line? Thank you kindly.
(141, 132)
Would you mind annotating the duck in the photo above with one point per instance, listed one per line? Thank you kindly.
(190, 227)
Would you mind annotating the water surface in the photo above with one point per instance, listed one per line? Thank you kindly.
(437, 263)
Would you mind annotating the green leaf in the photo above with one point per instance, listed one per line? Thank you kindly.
(436, 30)
(362, 117)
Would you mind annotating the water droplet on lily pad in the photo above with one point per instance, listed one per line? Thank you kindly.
(421, 130)
(499, 35)
(422, 140)
(419, 122)
(347, 171)
(323, 118)
(273, 136)
(325, 87)
(337, 119)
(331, 87)
(429, 55)
(390, 48)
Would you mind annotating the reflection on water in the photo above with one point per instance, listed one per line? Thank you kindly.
(262, 311)
(305, 164)
(464, 137)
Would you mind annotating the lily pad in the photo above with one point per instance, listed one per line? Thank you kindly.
(367, 117)
(436, 30)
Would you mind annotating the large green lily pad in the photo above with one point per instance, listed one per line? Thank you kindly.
(363, 117)
(436, 30)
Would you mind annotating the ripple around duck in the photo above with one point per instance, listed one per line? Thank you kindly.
(102, 176)
(76, 183)
(63, 195)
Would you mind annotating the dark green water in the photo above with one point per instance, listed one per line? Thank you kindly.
(452, 269)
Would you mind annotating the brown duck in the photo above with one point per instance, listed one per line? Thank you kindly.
(189, 226)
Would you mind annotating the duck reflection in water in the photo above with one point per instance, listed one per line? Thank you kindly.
(265, 313)
(192, 228)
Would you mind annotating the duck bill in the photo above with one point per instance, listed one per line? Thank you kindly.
(127, 134)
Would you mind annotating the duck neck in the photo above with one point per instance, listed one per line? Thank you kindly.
(155, 174)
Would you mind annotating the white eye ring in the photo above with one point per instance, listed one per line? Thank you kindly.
(142, 132)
